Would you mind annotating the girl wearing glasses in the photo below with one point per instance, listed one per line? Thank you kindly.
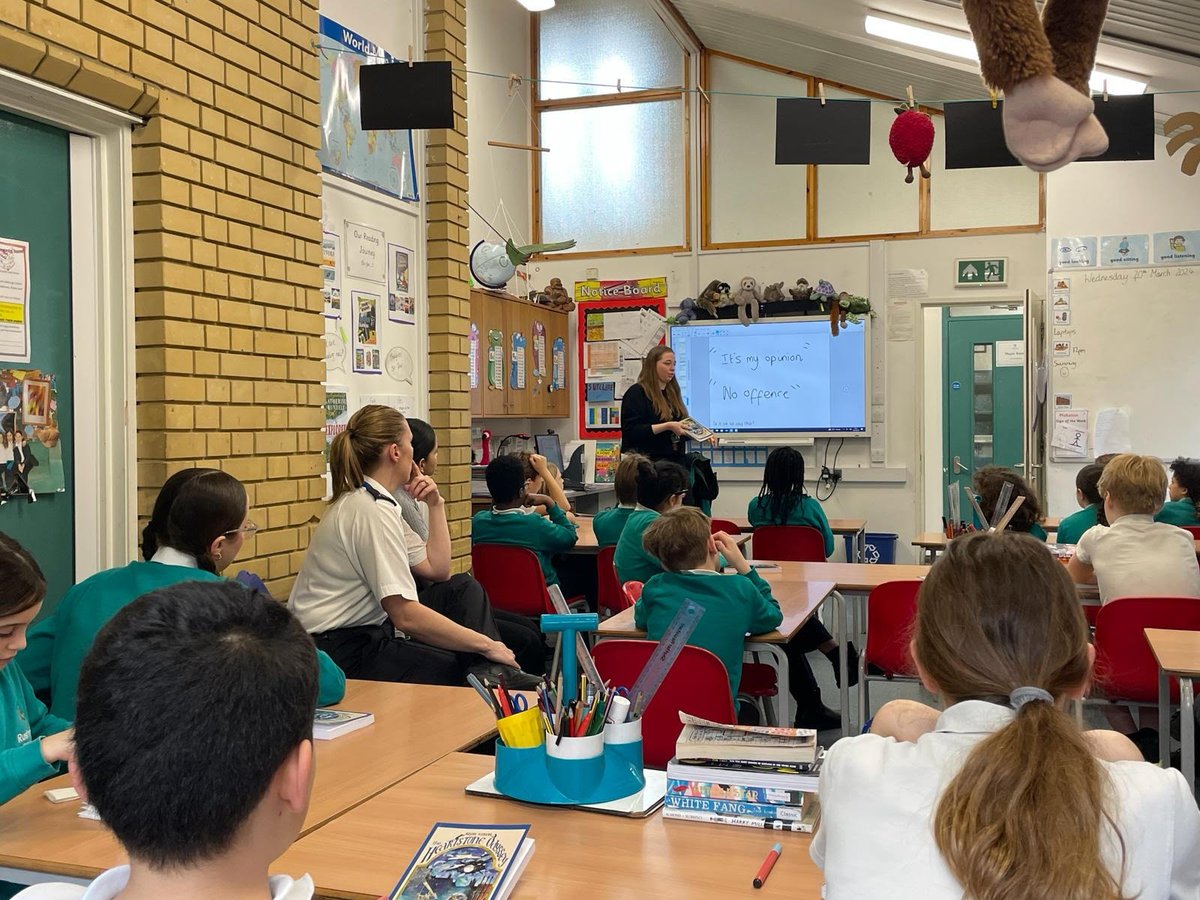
(199, 523)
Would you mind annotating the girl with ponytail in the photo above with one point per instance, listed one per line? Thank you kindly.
(1001, 796)
(197, 527)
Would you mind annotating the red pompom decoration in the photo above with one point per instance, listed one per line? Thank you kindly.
(911, 139)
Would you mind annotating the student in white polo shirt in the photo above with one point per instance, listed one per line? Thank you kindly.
(356, 589)
(1136, 556)
(1001, 794)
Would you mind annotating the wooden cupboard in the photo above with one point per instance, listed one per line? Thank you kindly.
(496, 318)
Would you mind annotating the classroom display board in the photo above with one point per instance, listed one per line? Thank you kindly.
(775, 376)
(614, 338)
(1123, 352)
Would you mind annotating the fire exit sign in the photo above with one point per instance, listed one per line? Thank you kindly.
(981, 272)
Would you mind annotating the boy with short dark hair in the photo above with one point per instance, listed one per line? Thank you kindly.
(508, 523)
(1183, 504)
(193, 741)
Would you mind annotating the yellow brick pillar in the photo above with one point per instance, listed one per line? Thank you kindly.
(449, 292)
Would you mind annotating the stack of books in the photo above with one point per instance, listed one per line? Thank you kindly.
(743, 775)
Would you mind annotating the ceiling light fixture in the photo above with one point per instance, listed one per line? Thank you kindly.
(954, 43)
(537, 5)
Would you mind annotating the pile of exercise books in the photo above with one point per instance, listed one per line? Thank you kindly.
(744, 775)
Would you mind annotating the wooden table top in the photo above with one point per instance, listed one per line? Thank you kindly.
(415, 724)
(935, 540)
(586, 537)
(577, 856)
(798, 600)
(837, 526)
(1176, 651)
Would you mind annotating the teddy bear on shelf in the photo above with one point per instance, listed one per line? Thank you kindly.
(747, 297)
(802, 291)
(714, 296)
(687, 312)
(773, 293)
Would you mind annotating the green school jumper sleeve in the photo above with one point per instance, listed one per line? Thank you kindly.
(734, 606)
(1178, 512)
(544, 535)
(609, 523)
(1071, 529)
(23, 722)
(65, 637)
(807, 512)
(632, 561)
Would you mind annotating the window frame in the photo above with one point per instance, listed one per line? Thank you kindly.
(924, 195)
(681, 93)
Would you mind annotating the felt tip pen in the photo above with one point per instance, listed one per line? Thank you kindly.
(769, 863)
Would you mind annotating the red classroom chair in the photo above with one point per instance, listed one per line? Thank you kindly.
(1126, 670)
(609, 598)
(728, 526)
(795, 543)
(632, 591)
(513, 579)
(891, 610)
(696, 684)
(1193, 530)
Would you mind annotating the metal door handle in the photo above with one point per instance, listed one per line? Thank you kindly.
(958, 466)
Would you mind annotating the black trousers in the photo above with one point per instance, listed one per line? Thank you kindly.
(374, 653)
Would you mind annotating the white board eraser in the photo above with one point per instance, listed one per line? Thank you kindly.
(62, 795)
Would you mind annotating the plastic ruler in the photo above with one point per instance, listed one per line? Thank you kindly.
(670, 645)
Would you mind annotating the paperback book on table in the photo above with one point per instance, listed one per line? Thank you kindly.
(475, 862)
(709, 742)
(807, 822)
(333, 723)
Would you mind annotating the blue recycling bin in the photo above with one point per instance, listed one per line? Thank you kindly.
(881, 547)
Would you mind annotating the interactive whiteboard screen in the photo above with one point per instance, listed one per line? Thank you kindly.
(776, 376)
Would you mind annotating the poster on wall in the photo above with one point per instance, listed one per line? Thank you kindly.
(1074, 253)
(14, 300)
(381, 160)
(331, 280)
(30, 440)
(402, 305)
(405, 404)
(366, 332)
(364, 252)
(1177, 246)
(614, 336)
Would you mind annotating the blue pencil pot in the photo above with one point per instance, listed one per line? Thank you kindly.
(595, 769)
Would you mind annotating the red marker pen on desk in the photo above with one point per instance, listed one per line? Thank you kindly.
(769, 863)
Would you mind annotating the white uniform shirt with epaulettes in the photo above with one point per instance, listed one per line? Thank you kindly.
(361, 552)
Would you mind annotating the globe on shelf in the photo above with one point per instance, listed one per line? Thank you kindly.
(490, 265)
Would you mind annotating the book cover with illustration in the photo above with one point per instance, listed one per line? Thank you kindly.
(466, 862)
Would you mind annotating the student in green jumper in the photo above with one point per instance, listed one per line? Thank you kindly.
(609, 523)
(989, 482)
(1087, 494)
(734, 605)
(507, 522)
(661, 487)
(1184, 490)
(784, 501)
(32, 740)
(199, 523)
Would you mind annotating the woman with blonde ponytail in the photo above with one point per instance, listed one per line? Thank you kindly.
(358, 587)
(1001, 796)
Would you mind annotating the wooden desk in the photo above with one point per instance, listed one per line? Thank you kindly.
(1178, 654)
(586, 544)
(415, 724)
(577, 856)
(933, 543)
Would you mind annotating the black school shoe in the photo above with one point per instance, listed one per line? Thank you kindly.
(834, 657)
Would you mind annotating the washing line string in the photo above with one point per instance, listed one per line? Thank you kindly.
(620, 87)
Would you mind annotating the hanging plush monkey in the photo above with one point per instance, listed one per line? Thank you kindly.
(1043, 67)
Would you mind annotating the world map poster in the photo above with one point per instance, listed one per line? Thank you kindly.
(382, 160)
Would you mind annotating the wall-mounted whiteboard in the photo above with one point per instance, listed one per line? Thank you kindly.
(1127, 338)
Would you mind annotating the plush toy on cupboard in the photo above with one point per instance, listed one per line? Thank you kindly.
(747, 297)
(773, 293)
(802, 290)
(1043, 66)
(714, 296)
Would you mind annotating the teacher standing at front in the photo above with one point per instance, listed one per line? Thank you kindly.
(652, 408)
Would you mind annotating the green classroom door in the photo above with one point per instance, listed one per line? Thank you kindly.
(983, 409)
(35, 187)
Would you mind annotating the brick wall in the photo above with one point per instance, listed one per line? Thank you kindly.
(449, 291)
(227, 205)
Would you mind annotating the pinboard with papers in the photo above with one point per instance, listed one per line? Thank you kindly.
(614, 337)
